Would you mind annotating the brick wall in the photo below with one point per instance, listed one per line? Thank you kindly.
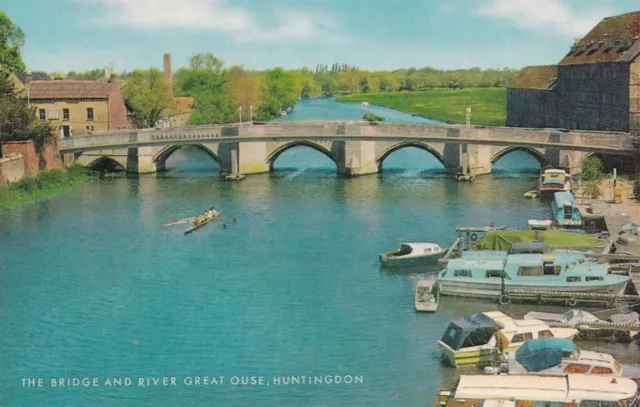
(117, 108)
(532, 108)
(28, 151)
(634, 96)
(594, 96)
(11, 169)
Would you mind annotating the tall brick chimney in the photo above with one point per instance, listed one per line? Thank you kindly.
(168, 75)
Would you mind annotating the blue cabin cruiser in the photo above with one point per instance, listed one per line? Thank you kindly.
(481, 276)
(565, 211)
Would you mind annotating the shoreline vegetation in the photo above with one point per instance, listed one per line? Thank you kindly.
(44, 185)
(488, 105)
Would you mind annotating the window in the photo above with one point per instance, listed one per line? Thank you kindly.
(65, 114)
(494, 273)
(517, 338)
(528, 271)
(42, 114)
(576, 368)
(592, 278)
(601, 370)
(89, 113)
(462, 273)
(573, 279)
(66, 131)
(478, 337)
(545, 334)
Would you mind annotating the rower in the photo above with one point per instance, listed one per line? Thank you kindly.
(196, 221)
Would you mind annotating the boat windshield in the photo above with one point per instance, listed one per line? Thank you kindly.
(404, 249)
(472, 330)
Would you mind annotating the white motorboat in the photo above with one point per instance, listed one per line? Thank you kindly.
(427, 296)
(412, 254)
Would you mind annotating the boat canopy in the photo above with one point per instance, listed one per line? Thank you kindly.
(503, 239)
(528, 247)
(563, 198)
(471, 330)
(543, 353)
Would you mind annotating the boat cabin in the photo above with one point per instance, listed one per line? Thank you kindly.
(571, 390)
(417, 249)
(578, 362)
(565, 210)
(528, 248)
(471, 330)
(554, 179)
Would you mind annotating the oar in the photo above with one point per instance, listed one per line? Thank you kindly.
(178, 222)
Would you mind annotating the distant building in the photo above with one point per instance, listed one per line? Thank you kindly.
(75, 107)
(177, 115)
(596, 86)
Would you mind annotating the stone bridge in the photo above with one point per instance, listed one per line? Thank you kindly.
(357, 148)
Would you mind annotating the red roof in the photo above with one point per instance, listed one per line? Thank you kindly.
(535, 77)
(64, 89)
(613, 39)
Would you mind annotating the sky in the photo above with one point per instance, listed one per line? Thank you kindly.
(66, 35)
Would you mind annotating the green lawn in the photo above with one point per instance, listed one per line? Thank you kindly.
(488, 105)
(45, 184)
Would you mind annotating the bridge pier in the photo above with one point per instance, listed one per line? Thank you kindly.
(141, 161)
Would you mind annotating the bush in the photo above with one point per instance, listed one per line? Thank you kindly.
(592, 190)
(372, 117)
(591, 169)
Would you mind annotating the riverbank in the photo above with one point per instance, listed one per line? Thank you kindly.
(45, 184)
(488, 105)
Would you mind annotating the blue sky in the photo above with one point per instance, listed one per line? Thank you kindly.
(68, 35)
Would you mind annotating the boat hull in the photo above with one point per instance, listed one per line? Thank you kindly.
(204, 223)
(409, 261)
(475, 289)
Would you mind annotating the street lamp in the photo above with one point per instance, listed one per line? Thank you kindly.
(468, 116)
(251, 113)
(240, 112)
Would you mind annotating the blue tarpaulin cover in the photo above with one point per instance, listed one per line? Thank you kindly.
(543, 353)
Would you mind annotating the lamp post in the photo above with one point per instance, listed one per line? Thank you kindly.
(240, 112)
(251, 113)
(468, 116)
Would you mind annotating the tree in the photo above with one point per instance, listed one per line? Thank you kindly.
(11, 41)
(206, 61)
(591, 169)
(146, 94)
(278, 93)
(18, 121)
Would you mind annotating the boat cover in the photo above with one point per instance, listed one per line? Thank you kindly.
(631, 318)
(502, 239)
(472, 330)
(543, 353)
(573, 317)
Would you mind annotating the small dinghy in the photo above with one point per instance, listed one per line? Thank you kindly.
(540, 224)
(427, 296)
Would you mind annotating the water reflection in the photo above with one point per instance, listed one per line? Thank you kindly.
(516, 161)
(411, 162)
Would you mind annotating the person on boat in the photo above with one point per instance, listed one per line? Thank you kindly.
(196, 221)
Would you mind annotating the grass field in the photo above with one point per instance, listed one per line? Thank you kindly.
(488, 105)
(45, 184)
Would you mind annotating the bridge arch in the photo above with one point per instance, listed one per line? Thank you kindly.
(106, 162)
(273, 156)
(535, 153)
(404, 144)
(163, 155)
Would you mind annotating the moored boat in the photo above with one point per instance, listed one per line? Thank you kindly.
(565, 211)
(535, 272)
(412, 254)
(553, 180)
(426, 296)
(479, 339)
(571, 390)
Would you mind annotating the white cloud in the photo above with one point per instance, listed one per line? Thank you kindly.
(214, 15)
(546, 16)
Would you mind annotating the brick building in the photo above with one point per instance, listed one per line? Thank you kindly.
(596, 86)
(76, 107)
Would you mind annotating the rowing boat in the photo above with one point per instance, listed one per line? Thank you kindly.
(179, 221)
(205, 222)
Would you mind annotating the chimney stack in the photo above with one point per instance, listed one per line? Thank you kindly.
(28, 76)
(107, 72)
(168, 75)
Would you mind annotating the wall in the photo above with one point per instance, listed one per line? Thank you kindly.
(11, 169)
(594, 96)
(77, 114)
(634, 96)
(28, 152)
(532, 108)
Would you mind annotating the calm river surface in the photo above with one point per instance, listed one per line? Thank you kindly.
(92, 287)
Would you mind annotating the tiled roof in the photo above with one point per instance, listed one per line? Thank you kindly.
(64, 89)
(613, 39)
(535, 77)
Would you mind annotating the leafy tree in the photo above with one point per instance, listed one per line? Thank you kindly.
(94, 74)
(370, 117)
(146, 94)
(592, 190)
(11, 41)
(278, 93)
(591, 169)
(18, 121)
(206, 61)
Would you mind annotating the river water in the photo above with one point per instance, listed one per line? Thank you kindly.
(92, 287)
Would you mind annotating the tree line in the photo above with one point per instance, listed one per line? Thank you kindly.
(220, 90)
